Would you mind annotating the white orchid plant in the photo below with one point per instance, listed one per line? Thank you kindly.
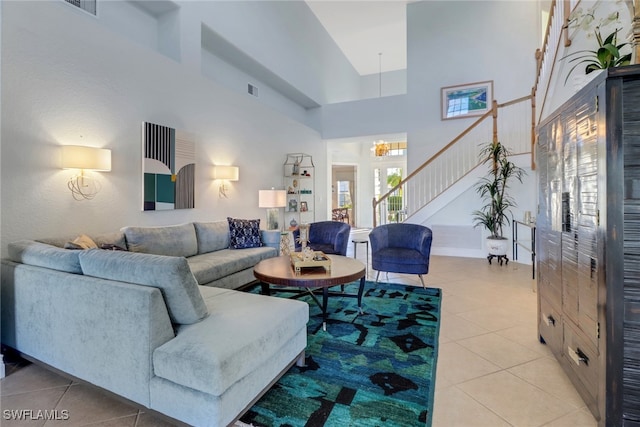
(609, 52)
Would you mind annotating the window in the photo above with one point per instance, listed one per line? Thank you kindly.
(344, 195)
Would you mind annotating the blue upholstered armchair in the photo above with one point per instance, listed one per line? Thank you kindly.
(401, 248)
(330, 237)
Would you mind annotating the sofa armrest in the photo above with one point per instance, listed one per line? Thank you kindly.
(101, 331)
(424, 245)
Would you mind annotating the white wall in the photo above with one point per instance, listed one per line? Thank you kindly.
(366, 117)
(385, 84)
(287, 38)
(459, 42)
(458, 213)
(66, 80)
(70, 78)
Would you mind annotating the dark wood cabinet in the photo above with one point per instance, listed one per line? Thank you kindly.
(588, 244)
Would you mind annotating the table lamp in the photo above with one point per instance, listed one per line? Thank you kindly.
(273, 200)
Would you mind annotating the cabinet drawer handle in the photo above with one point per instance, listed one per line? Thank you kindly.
(550, 321)
(578, 356)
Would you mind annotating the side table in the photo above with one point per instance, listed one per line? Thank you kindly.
(527, 245)
(355, 242)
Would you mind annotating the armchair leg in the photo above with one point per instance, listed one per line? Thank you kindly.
(422, 281)
(377, 276)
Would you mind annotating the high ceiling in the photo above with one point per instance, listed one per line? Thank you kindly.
(372, 34)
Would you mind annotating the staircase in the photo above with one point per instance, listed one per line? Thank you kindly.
(455, 168)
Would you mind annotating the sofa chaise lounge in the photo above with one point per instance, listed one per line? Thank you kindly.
(140, 323)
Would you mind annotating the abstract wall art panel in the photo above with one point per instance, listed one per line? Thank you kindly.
(168, 168)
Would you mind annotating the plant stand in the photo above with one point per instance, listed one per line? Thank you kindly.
(501, 258)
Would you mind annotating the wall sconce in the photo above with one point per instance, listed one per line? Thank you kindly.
(273, 200)
(85, 159)
(224, 174)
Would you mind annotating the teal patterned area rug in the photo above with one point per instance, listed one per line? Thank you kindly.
(371, 369)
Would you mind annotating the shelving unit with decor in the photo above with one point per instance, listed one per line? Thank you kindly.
(299, 180)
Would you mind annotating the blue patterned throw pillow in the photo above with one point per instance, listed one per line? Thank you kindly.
(244, 233)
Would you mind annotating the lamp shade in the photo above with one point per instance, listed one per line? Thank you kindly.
(272, 198)
(230, 173)
(88, 158)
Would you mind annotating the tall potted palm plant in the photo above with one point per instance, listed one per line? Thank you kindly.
(493, 189)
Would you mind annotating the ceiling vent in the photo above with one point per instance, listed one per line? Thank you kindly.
(253, 90)
(86, 5)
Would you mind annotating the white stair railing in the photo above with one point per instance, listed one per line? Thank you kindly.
(512, 126)
(547, 55)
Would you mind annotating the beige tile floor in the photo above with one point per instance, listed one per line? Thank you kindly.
(492, 371)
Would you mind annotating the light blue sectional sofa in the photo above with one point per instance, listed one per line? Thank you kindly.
(140, 323)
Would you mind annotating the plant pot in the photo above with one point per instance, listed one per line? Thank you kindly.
(497, 246)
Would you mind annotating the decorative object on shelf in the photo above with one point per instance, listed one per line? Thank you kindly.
(293, 205)
(608, 53)
(225, 174)
(468, 100)
(296, 166)
(168, 168)
(293, 224)
(304, 207)
(273, 200)
(86, 159)
(498, 203)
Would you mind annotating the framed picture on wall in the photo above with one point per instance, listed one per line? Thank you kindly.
(468, 100)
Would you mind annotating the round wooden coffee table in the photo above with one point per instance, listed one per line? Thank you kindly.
(279, 271)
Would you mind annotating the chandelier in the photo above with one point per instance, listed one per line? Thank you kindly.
(380, 148)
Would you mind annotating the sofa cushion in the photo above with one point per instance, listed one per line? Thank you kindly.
(171, 240)
(243, 330)
(44, 255)
(216, 265)
(212, 236)
(170, 274)
(244, 233)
